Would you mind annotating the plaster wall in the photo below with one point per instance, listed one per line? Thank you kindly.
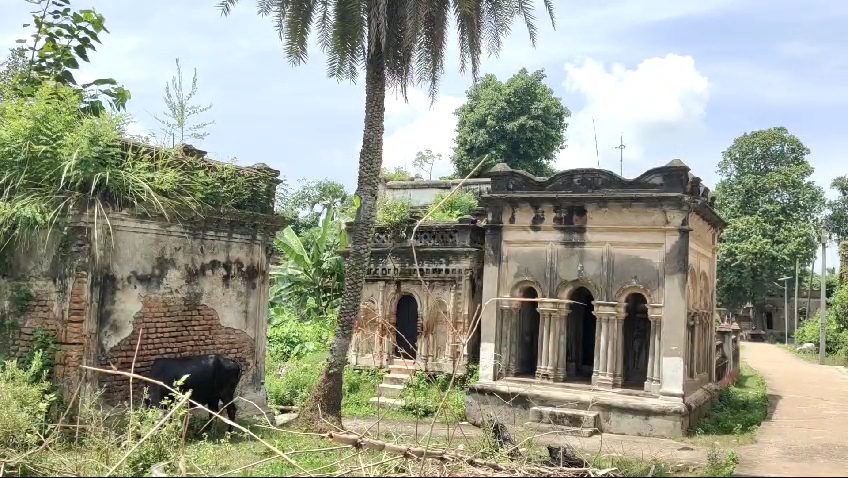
(167, 282)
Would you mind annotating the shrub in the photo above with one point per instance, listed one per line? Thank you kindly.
(835, 335)
(457, 206)
(291, 338)
(24, 401)
(740, 408)
(293, 386)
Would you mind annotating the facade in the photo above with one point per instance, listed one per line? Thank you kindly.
(597, 301)
(423, 319)
(120, 295)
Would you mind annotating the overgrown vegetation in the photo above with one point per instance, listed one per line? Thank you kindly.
(58, 159)
(739, 410)
(455, 207)
(289, 383)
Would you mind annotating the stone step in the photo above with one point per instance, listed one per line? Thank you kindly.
(566, 417)
(384, 402)
(389, 390)
(570, 431)
(407, 370)
(395, 379)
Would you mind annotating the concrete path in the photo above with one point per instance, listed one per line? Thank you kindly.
(806, 433)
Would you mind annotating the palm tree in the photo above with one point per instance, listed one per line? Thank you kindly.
(399, 43)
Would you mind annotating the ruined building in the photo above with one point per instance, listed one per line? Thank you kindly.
(587, 299)
(143, 287)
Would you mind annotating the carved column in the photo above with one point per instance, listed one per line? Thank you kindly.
(547, 344)
(505, 347)
(618, 371)
(605, 364)
(652, 384)
(561, 316)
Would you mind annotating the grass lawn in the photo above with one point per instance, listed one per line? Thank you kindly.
(736, 415)
(422, 395)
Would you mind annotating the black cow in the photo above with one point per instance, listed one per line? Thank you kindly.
(211, 378)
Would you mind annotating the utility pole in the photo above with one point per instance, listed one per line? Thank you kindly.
(823, 325)
(795, 314)
(785, 308)
(620, 148)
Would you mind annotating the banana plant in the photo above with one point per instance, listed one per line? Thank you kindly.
(310, 278)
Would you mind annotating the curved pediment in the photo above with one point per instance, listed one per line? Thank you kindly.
(669, 178)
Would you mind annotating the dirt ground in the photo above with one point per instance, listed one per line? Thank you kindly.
(806, 433)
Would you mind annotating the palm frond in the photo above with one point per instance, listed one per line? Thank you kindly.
(411, 35)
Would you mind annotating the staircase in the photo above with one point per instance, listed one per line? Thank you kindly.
(564, 420)
(388, 392)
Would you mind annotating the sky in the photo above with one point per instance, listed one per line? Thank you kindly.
(673, 78)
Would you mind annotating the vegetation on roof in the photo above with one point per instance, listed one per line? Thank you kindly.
(57, 158)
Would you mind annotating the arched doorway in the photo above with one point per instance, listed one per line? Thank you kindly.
(636, 346)
(581, 334)
(528, 336)
(406, 335)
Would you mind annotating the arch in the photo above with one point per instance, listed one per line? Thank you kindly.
(568, 288)
(626, 291)
(527, 340)
(406, 326)
(518, 288)
(692, 289)
(704, 290)
(581, 333)
(396, 293)
(636, 343)
(438, 326)
(367, 329)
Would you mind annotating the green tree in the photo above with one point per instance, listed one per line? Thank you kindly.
(773, 211)
(519, 122)
(11, 71)
(425, 160)
(305, 206)
(399, 44)
(837, 217)
(177, 125)
(310, 279)
(62, 38)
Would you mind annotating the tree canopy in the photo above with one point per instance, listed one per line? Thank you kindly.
(837, 217)
(773, 211)
(519, 122)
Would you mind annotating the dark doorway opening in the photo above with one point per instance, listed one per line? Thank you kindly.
(581, 334)
(406, 336)
(769, 321)
(637, 338)
(528, 337)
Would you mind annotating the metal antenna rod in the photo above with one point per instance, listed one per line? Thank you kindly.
(620, 148)
(597, 155)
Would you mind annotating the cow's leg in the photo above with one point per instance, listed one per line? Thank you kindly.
(229, 399)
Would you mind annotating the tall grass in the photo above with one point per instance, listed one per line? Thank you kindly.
(55, 160)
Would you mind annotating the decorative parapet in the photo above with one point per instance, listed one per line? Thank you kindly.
(433, 235)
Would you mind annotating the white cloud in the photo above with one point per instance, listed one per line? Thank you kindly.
(658, 101)
(416, 126)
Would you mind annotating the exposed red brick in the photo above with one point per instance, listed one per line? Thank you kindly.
(180, 329)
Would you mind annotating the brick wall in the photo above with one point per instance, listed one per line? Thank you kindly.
(45, 313)
(171, 326)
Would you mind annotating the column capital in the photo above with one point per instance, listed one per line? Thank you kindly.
(655, 312)
(606, 310)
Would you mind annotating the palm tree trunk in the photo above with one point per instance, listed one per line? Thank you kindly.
(323, 410)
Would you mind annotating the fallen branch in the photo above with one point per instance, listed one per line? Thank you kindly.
(424, 453)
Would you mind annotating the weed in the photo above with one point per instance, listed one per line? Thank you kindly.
(740, 408)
